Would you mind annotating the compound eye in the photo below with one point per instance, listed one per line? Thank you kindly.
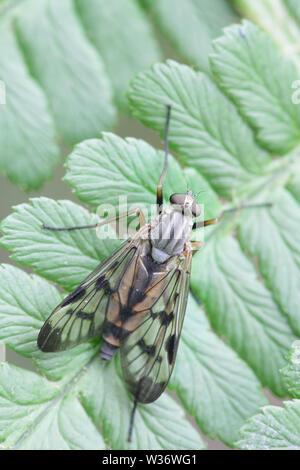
(178, 199)
(196, 210)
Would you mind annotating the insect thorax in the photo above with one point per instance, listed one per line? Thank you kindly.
(169, 233)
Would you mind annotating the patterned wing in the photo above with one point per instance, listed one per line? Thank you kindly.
(148, 354)
(80, 316)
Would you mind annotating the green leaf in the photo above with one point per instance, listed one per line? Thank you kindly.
(28, 148)
(35, 416)
(205, 129)
(19, 294)
(241, 308)
(66, 257)
(191, 33)
(242, 61)
(116, 169)
(294, 185)
(273, 236)
(214, 384)
(294, 7)
(61, 366)
(67, 426)
(160, 425)
(77, 87)
(274, 428)
(291, 372)
(71, 93)
(4, 4)
(20, 406)
(132, 40)
(278, 18)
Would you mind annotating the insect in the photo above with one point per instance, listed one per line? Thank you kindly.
(136, 298)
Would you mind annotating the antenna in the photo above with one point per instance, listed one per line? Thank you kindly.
(159, 192)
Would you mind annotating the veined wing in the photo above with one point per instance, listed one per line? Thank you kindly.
(148, 354)
(80, 315)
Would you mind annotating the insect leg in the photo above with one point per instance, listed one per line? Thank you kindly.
(132, 420)
(76, 227)
(205, 223)
(159, 191)
(196, 246)
(136, 211)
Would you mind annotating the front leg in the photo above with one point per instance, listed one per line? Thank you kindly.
(196, 246)
(136, 211)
